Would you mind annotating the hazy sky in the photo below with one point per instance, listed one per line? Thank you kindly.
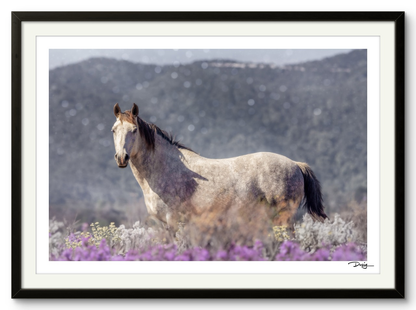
(61, 57)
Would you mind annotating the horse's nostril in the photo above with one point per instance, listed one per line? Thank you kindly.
(127, 157)
(115, 156)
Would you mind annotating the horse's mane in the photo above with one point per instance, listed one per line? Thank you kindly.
(147, 132)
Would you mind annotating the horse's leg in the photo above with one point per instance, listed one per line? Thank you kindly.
(286, 211)
(172, 223)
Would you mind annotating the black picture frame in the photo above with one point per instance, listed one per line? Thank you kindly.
(17, 18)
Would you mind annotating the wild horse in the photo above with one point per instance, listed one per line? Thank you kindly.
(178, 183)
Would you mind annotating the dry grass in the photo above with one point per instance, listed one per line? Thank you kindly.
(216, 231)
(357, 213)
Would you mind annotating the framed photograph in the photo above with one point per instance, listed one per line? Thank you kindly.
(264, 155)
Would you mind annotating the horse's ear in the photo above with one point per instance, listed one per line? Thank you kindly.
(116, 110)
(135, 110)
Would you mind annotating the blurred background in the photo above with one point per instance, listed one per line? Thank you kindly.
(168, 57)
(309, 105)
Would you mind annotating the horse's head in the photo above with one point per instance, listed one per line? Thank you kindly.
(125, 133)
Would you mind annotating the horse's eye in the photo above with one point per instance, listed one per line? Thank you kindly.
(134, 130)
(112, 130)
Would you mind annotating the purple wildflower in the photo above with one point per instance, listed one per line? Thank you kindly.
(289, 251)
(221, 255)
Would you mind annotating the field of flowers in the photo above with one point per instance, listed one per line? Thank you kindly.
(335, 240)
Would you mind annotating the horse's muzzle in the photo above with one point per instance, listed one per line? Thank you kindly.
(122, 161)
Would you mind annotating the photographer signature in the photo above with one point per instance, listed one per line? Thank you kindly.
(362, 265)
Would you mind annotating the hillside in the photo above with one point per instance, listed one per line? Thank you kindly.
(314, 112)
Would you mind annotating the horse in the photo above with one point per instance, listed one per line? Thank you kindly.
(177, 183)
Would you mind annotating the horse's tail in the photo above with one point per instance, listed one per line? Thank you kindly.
(313, 197)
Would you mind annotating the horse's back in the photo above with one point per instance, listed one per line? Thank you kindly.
(253, 177)
(271, 173)
(266, 161)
